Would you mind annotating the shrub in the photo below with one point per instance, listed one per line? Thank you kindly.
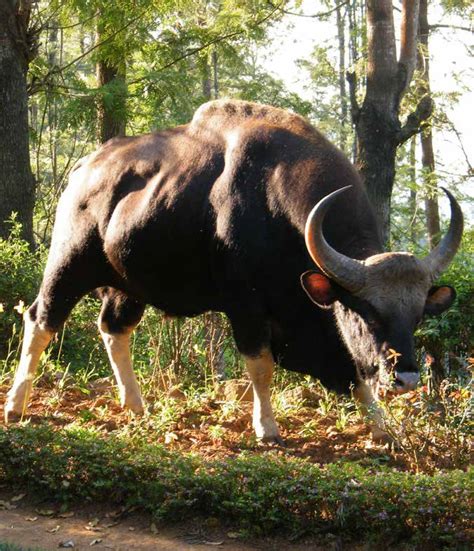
(264, 494)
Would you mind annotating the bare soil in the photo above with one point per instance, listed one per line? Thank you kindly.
(29, 527)
(194, 429)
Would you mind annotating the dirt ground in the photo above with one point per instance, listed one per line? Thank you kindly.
(28, 526)
(204, 430)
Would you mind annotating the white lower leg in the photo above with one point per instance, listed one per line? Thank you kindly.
(35, 340)
(118, 350)
(364, 394)
(260, 369)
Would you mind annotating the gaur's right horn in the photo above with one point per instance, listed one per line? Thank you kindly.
(442, 255)
(348, 272)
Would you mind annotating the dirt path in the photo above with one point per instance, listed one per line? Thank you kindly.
(102, 529)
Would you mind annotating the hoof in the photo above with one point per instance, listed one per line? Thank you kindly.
(382, 437)
(136, 409)
(12, 416)
(273, 440)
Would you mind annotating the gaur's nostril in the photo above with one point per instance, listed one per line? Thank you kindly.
(407, 380)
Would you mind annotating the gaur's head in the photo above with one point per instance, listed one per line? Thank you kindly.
(379, 301)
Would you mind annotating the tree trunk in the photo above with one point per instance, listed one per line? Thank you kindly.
(111, 110)
(215, 67)
(378, 127)
(428, 159)
(17, 185)
(206, 79)
(111, 113)
(412, 197)
(342, 79)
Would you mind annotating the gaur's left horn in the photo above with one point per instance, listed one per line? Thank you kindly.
(442, 255)
(348, 272)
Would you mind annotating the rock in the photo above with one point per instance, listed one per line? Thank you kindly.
(301, 394)
(236, 390)
(176, 393)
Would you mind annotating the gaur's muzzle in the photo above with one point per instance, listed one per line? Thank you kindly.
(405, 381)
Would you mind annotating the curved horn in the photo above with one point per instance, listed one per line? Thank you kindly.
(348, 272)
(440, 257)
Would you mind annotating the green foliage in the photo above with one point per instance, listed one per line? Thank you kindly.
(453, 331)
(20, 272)
(262, 494)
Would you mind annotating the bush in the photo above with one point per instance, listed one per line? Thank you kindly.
(264, 494)
(448, 338)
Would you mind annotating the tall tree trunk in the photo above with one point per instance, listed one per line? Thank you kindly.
(111, 111)
(377, 122)
(206, 79)
(355, 47)
(215, 72)
(433, 345)
(342, 79)
(17, 185)
(428, 159)
(412, 197)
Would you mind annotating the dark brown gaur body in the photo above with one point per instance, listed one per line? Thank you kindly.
(220, 215)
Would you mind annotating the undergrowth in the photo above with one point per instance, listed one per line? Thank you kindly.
(262, 494)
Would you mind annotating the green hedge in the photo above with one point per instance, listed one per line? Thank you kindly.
(264, 494)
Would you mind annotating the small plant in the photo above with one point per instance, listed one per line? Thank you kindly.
(433, 430)
(216, 432)
(327, 402)
(346, 413)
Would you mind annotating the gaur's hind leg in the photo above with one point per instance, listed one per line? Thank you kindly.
(118, 318)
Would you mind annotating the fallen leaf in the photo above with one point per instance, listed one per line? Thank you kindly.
(6, 505)
(45, 512)
(95, 542)
(213, 542)
(66, 514)
(170, 437)
(31, 519)
(66, 543)
(17, 498)
(90, 528)
(153, 528)
(111, 524)
(233, 535)
(53, 530)
(131, 528)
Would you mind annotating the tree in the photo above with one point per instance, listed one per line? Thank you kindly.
(111, 108)
(17, 48)
(377, 122)
(428, 158)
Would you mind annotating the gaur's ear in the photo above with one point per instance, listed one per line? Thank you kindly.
(439, 299)
(319, 288)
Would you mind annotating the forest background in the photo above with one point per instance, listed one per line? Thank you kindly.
(77, 73)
